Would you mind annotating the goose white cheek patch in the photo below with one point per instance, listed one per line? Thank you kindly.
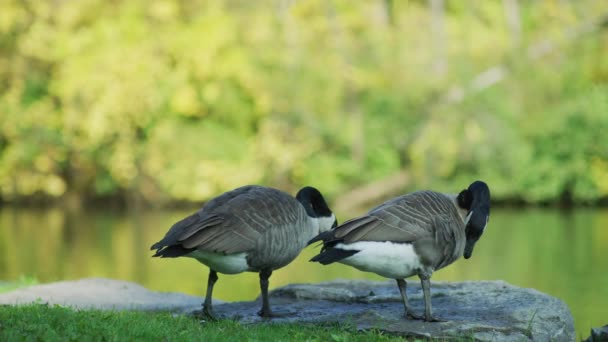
(325, 223)
(466, 219)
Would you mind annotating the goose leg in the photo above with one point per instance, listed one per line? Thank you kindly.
(207, 312)
(425, 280)
(402, 284)
(265, 312)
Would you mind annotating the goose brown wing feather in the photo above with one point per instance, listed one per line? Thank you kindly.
(195, 227)
(234, 221)
(379, 228)
(187, 227)
(227, 238)
(403, 219)
(352, 225)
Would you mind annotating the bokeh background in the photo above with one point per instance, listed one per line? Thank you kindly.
(119, 117)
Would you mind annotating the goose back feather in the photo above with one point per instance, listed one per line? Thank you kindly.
(428, 220)
(263, 222)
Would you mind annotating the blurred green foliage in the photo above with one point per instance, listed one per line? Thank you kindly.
(178, 100)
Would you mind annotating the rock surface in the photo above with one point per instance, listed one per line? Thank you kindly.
(103, 294)
(485, 310)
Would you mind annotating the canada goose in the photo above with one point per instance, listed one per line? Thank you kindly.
(417, 233)
(251, 228)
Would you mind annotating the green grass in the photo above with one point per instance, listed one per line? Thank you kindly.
(52, 323)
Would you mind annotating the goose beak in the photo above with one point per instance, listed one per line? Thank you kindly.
(467, 254)
(468, 248)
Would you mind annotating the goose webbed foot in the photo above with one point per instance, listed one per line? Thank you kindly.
(266, 312)
(408, 310)
(434, 319)
(413, 316)
(426, 289)
(206, 314)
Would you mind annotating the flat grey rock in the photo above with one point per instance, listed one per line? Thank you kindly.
(103, 294)
(484, 310)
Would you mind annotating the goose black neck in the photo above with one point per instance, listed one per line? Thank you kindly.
(313, 202)
(479, 194)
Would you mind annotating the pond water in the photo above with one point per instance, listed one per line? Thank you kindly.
(561, 253)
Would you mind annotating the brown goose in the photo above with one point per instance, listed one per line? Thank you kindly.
(252, 228)
(415, 234)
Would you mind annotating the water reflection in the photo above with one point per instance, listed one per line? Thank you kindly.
(562, 254)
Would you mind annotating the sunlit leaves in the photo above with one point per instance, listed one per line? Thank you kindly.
(180, 100)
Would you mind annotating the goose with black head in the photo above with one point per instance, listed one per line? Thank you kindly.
(414, 234)
(252, 228)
